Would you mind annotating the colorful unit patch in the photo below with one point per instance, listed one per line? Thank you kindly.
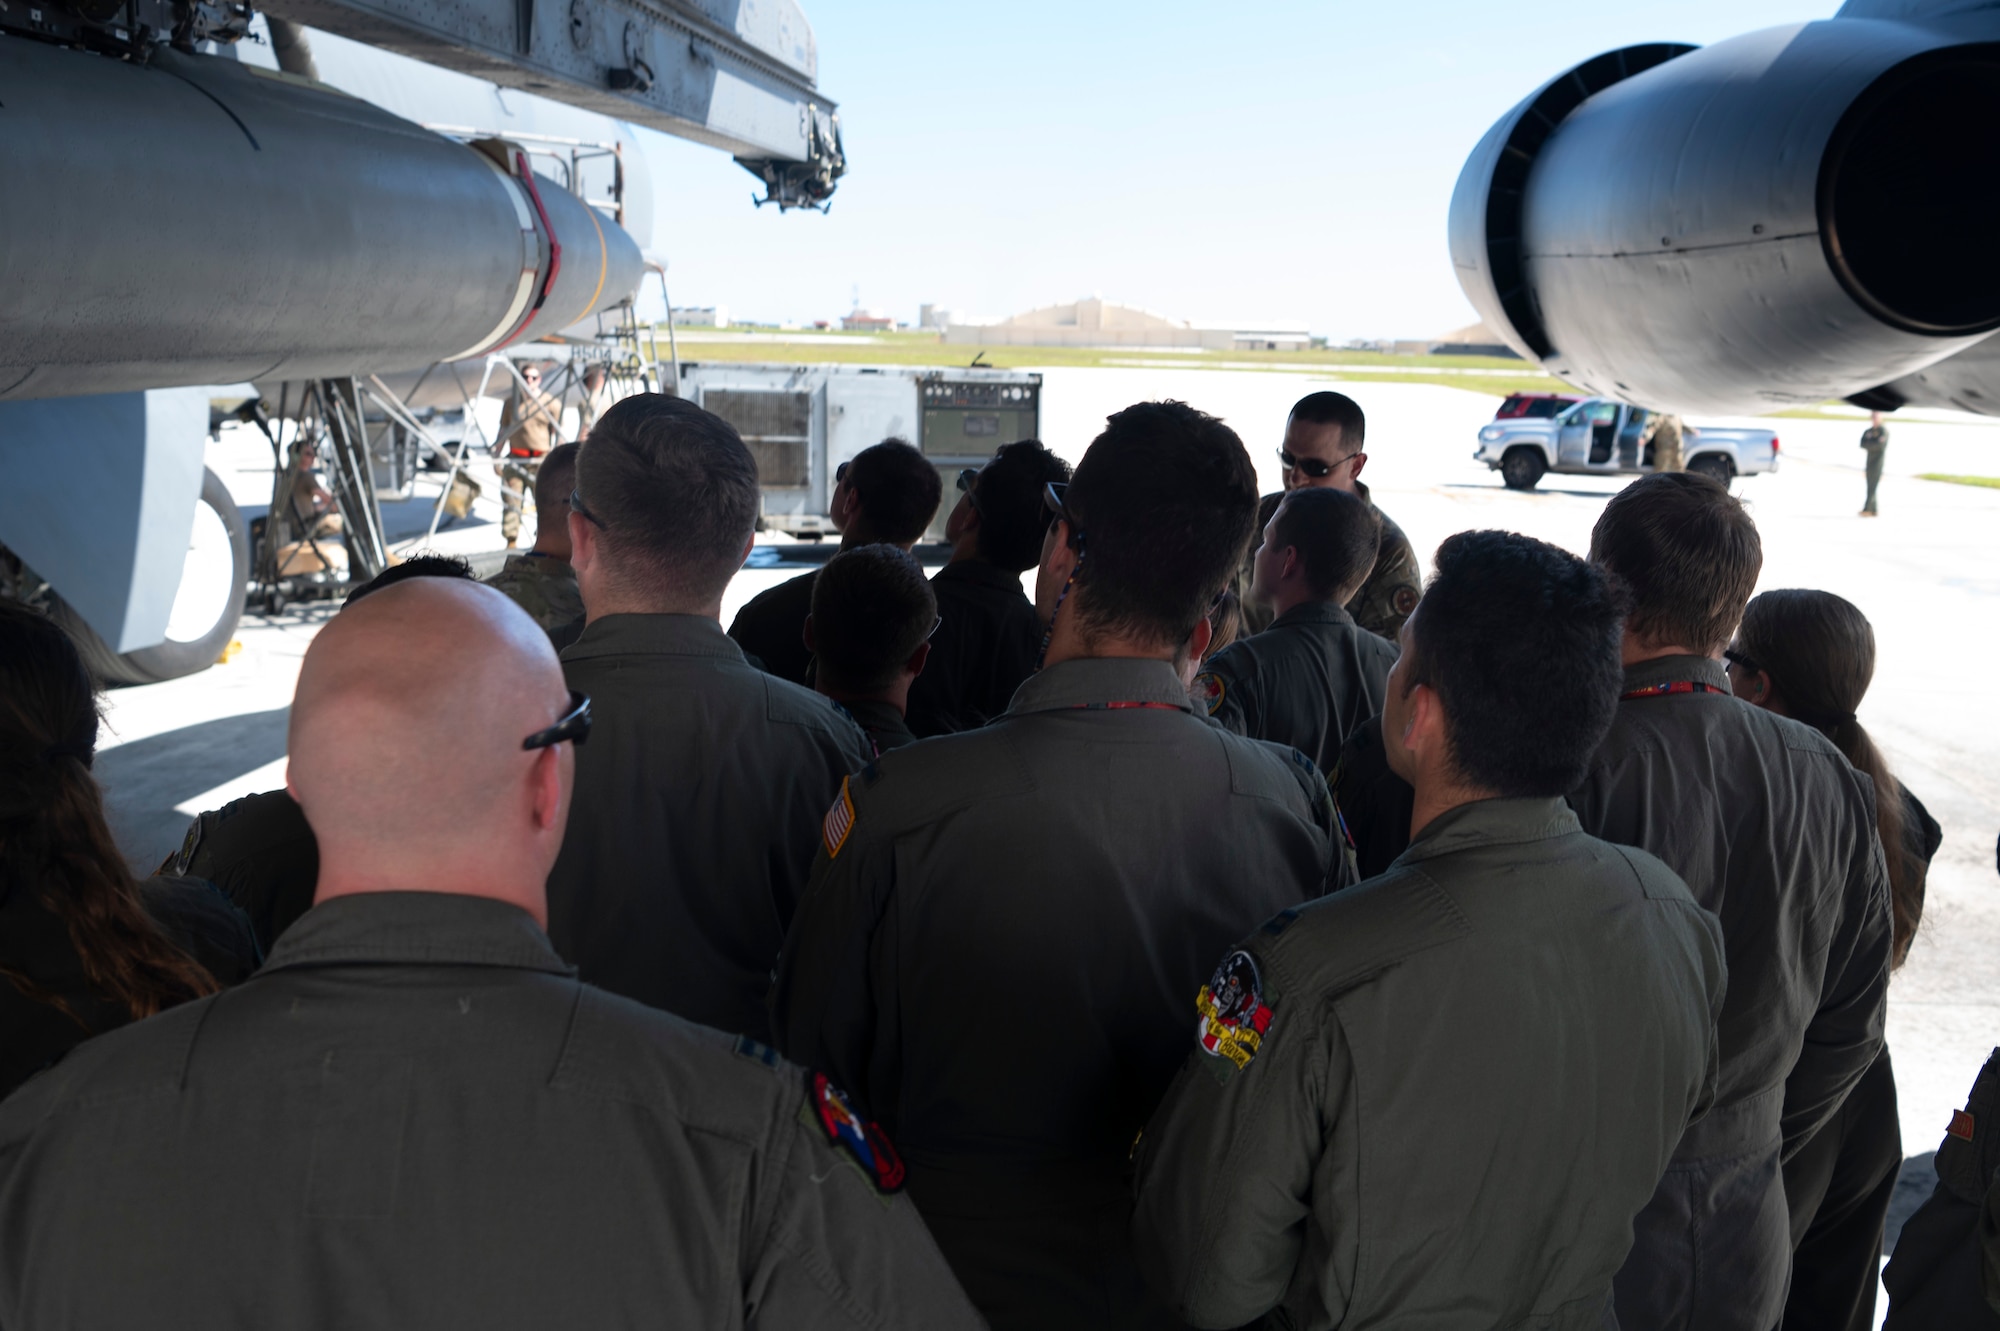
(1209, 690)
(1961, 1125)
(1234, 1015)
(757, 1051)
(863, 1142)
(1406, 600)
(839, 821)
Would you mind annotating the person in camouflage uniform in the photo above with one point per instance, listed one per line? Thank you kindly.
(1664, 433)
(541, 581)
(1323, 447)
(529, 424)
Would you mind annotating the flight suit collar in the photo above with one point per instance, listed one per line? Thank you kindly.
(1313, 612)
(1495, 822)
(1674, 670)
(416, 928)
(653, 635)
(980, 572)
(1097, 681)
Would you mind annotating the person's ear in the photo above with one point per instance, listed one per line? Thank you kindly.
(807, 634)
(1760, 686)
(545, 782)
(1290, 567)
(1197, 642)
(582, 542)
(1424, 736)
(918, 660)
(748, 545)
(1360, 461)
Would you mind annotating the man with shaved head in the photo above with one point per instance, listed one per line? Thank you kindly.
(416, 1114)
(699, 806)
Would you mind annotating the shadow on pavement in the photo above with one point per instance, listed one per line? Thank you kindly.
(145, 779)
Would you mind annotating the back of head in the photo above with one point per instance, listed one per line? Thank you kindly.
(675, 492)
(1819, 650)
(1012, 517)
(554, 481)
(898, 491)
(416, 566)
(1164, 504)
(1687, 553)
(1336, 409)
(1336, 535)
(54, 840)
(872, 608)
(1521, 642)
(406, 729)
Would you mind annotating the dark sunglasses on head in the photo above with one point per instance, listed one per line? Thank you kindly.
(968, 481)
(1313, 467)
(573, 726)
(840, 472)
(1054, 495)
(1741, 661)
(576, 507)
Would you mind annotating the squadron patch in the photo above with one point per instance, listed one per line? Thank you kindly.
(1208, 691)
(1234, 1015)
(1961, 1125)
(1406, 600)
(862, 1142)
(839, 822)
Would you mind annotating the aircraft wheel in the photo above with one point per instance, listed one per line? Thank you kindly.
(207, 608)
(1522, 468)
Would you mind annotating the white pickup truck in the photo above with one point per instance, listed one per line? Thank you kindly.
(1599, 437)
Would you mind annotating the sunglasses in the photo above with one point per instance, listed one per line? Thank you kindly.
(968, 481)
(574, 726)
(1316, 468)
(840, 473)
(576, 507)
(1741, 662)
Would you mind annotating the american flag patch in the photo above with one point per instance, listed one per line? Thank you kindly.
(839, 822)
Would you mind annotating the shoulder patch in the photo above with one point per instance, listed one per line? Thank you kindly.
(1232, 1011)
(189, 845)
(756, 1051)
(839, 821)
(863, 1143)
(1406, 600)
(1208, 691)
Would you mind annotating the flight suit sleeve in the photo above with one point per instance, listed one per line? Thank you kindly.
(1224, 1171)
(1221, 695)
(1392, 590)
(833, 1241)
(1845, 1034)
(823, 1004)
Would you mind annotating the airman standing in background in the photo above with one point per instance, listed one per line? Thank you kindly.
(597, 399)
(542, 581)
(1664, 433)
(1874, 442)
(529, 424)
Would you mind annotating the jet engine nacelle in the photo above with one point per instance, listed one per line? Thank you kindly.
(1789, 216)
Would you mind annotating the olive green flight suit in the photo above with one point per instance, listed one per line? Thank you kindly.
(996, 950)
(1384, 601)
(542, 585)
(1946, 1270)
(415, 1115)
(697, 807)
(1307, 681)
(1439, 1098)
(1772, 830)
(529, 423)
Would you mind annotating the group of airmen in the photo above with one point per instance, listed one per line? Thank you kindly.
(1483, 952)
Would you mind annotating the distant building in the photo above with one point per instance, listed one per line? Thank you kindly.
(934, 316)
(1473, 340)
(871, 321)
(700, 316)
(1096, 322)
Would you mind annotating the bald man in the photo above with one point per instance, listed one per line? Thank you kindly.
(415, 1114)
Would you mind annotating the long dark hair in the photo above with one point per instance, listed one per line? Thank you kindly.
(53, 837)
(1819, 650)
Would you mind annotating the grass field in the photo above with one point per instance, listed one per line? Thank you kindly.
(1489, 375)
(1988, 482)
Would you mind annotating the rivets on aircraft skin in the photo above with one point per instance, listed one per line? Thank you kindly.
(1757, 229)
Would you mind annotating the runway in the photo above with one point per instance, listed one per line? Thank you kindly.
(1927, 573)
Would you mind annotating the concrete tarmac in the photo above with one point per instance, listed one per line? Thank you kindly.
(1927, 573)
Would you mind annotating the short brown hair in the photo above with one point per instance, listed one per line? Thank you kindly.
(674, 490)
(1688, 554)
(871, 609)
(554, 479)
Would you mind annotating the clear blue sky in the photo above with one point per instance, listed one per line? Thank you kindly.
(1272, 162)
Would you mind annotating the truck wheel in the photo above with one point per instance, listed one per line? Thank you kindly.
(1714, 466)
(1523, 468)
(207, 608)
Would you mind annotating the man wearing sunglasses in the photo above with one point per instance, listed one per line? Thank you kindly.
(1005, 927)
(885, 495)
(1324, 437)
(987, 643)
(415, 1114)
(699, 800)
(529, 424)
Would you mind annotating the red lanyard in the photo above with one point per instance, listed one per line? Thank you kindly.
(1671, 687)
